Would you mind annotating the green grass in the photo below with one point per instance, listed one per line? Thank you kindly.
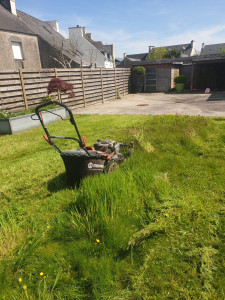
(153, 229)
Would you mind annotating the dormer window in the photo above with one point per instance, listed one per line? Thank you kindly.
(17, 50)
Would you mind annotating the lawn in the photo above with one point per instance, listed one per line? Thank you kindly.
(153, 229)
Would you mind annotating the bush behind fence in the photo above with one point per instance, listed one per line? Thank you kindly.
(24, 89)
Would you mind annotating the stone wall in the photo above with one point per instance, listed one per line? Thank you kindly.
(30, 51)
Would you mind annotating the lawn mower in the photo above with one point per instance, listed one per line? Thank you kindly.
(103, 157)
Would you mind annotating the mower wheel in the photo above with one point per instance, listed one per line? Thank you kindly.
(111, 166)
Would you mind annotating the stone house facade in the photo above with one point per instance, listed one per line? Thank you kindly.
(18, 44)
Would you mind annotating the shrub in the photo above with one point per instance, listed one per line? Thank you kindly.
(57, 84)
(159, 53)
(180, 79)
(48, 98)
(173, 53)
(139, 70)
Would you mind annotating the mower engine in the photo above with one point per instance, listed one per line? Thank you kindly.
(107, 146)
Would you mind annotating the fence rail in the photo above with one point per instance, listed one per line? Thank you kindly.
(24, 89)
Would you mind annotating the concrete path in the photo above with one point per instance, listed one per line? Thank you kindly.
(160, 103)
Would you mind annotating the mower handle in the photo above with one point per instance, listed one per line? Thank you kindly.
(72, 121)
(57, 103)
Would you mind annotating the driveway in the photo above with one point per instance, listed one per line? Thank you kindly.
(160, 103)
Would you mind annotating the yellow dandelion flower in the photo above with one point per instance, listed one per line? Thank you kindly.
(97, 241)
(24, 287)
(44, 277)
(41, 274)
(20, 279)
(166, 215)
(48, 227)
(30, 242)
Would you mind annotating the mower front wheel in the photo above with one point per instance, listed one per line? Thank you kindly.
(111, 166)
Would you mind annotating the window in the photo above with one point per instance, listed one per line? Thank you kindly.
(17, 50)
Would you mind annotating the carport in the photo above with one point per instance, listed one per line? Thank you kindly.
(209, 72)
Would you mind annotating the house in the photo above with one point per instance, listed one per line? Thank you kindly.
(118, 60)
(186, 50)
(128, 60)
(99, 55)
(18, 43)
(55, 50)
(106, 50)
(212, 49)
(27, 42)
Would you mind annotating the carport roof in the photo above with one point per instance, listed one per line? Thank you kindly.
(208, 58)
(182, 60)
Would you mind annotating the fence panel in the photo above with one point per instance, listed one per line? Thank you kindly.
(24, 89)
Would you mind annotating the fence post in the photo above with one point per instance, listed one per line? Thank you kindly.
(58, 92)
(82, 79)
(23, 88)
(115, 83)
(123, 84)
(102, 85)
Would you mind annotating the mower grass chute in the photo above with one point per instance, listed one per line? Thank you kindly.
(85, 161)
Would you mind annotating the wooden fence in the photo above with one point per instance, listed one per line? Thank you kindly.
(24, 89)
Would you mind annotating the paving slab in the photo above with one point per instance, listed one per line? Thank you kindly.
(161, 103)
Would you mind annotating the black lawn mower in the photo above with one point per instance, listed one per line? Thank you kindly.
(104, 157)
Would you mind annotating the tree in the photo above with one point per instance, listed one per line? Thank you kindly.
(57, 84)
(222, 51)
(173, 53)
(66, 54)
(158, 53)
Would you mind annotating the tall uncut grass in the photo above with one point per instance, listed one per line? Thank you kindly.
(152, 229)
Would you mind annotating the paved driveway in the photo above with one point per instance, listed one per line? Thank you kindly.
(160, 103)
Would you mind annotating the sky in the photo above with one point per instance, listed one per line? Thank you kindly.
(134, 25)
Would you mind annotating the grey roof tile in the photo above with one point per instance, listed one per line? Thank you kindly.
(212, 49)
(10, 22)
(51, 36)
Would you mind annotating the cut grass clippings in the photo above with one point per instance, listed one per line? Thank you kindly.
(153, 229)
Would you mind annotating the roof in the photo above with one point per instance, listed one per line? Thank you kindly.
(140, 56)
(10, 22)
(51, 36)
(184, 48)
(99, 45)
(212, 49)
(172, 61)
(213, 58)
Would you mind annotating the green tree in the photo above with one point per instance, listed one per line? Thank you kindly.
(222, 51)
(173, 53)
(159, 53)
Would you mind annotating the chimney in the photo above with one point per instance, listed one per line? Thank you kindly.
(203, 45)
(75, 32)
(84, 31)
(193, 44)
(54, 24)
(10, 5)
(124, 55)
(88, 35)
(151, 48)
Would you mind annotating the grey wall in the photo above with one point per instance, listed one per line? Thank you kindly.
(29, 48)
(46, 50)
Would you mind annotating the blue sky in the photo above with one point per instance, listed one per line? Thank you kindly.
(133, 25)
